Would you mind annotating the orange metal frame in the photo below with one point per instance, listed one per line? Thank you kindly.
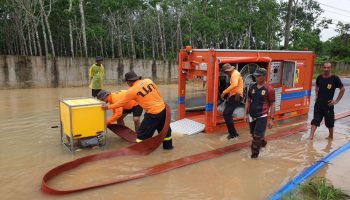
(195, 63)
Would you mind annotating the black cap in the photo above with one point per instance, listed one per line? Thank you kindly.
(131, 76)
(99, 58)
(102, 95)
(260, 72)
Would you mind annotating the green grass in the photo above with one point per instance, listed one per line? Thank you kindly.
(316, 188)
(339, 72)
(322, 59)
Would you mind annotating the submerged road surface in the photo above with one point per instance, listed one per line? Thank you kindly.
(29, 148)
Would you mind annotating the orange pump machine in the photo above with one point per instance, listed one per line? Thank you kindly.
(289, 72)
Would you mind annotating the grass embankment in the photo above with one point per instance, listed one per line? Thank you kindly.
(338, 72)
(316, 188)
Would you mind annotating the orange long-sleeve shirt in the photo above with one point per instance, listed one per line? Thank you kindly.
(146, 94)
(236, 84)
(118, 111)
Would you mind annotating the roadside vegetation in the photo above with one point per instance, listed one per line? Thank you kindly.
(338, 72)
(157, 29)
(316, 188)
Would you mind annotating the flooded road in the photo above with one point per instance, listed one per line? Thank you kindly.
(29, 148)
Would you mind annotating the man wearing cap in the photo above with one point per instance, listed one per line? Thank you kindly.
(96, 75)
(145, 92)
(261, 99)
(235, 95)
(120, 112)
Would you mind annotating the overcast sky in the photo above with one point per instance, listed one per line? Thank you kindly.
(337, 10)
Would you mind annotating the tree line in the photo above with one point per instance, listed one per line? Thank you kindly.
(157, 29)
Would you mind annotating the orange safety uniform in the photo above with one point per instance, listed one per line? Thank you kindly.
(146, 94)
(236, 84)
(118, 111)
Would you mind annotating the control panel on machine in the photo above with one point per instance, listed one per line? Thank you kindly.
(275, 79)
(275, 73)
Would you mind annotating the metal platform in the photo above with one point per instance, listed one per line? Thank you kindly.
(187, 127)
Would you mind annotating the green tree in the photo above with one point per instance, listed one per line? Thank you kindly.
(339, 47)
(154, 29)
(305, 31)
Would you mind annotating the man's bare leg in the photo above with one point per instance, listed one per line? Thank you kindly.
(312, 132)
(330, 136)
(120, 121)
(137, 122)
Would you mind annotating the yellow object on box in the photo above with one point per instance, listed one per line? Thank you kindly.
(82, 117)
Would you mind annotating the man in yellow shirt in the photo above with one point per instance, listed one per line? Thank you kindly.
(235, 95)
(120, 112)
(96, 75)
(145, 92)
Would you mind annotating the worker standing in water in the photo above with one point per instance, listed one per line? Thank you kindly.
(235, 96)
(145, 92)
(260, 99)
(96, 75)
(326, 84)
(119, 113)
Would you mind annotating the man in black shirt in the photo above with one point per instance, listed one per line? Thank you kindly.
(326, 84)
(260, 99)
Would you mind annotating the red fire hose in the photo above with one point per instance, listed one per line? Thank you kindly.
(146, 147)
(123, 132)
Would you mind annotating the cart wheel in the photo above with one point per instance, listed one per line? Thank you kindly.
(102, 139)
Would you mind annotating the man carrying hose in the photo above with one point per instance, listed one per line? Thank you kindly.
(145, 92)
(119, 113)
(261, 98)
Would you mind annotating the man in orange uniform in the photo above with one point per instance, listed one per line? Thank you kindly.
(235, 96)
(120, 112)
(146, 94)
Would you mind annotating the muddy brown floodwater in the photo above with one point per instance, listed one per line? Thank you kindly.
(29, 148)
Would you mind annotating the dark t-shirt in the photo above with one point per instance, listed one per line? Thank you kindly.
(326, 90)
(261, 99)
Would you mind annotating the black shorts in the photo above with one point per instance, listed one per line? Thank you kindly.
(258, 126)
(327, 114)
(151, 123)
(136, 111)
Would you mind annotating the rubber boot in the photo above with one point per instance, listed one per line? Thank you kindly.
(263, 143)
(168, 144)
(256, 145)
